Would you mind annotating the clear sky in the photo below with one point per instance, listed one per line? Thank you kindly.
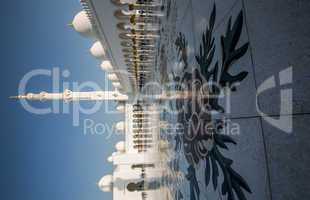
(45, 157)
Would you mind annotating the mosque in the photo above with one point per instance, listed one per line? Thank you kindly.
(163, 52)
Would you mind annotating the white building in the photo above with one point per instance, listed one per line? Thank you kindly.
(141, 159)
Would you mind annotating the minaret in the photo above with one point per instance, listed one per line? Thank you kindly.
(68, 96)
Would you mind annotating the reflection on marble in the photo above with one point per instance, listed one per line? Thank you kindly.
(203, 72)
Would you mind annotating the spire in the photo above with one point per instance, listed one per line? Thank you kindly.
(18, 97)
(71, 25)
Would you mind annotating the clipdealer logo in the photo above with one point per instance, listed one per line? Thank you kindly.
(285, 120)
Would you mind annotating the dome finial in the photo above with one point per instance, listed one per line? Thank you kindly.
(71, 25)
(13, 97)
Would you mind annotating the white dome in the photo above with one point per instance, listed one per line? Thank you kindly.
(120, 108)
(97, 50)
(106, 65)
(105, 183)
(82, 24)
(112, 77)
(120, 126)
(117, 85)
(120, 146)
(110, 159)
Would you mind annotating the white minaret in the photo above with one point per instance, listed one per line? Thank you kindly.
(68, 96)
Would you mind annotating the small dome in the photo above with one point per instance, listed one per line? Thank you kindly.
(120, 146)
(97, 50)
(105, 183)
(120, 108)
(117, 85)
(120, 126)
(106, 66)
(82, 24)
(110, 159)
(112, 77)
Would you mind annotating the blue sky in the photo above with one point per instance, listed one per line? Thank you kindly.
(43, 156)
